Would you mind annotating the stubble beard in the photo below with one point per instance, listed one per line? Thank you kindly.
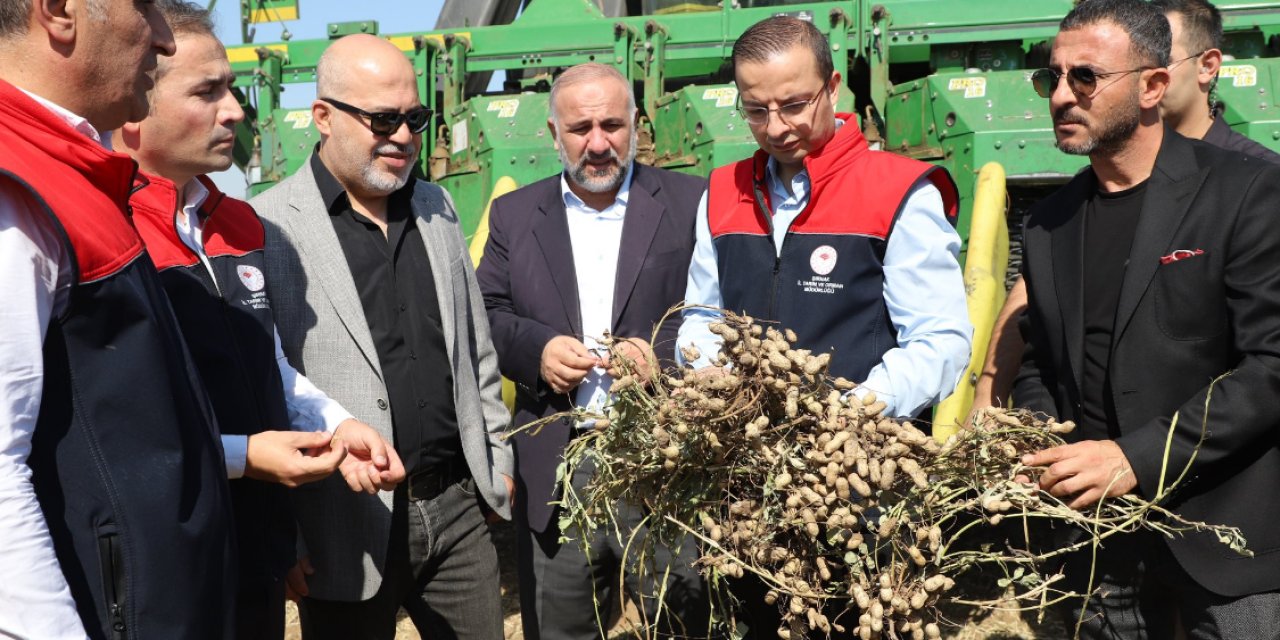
(378, 180)
(1111, 137)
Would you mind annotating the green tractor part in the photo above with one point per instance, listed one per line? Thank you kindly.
(943, 81)
(939, 80)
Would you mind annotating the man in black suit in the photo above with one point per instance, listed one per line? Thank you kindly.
(600, 249)
(1152, 274)
(1196, 26)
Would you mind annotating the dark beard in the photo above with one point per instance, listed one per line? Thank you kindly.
(1111, 138)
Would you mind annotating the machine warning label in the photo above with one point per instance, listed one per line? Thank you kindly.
(972, 87)
(458, 137)
(505, 108)
(299, 119)
(1242, 75)
(724, 96)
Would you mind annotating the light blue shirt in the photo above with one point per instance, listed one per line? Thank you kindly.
(596, 237)
(923, 290)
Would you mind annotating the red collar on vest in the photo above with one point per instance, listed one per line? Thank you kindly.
(34, 124)
(231, 227)
(160, 194)
(845, 147)
(823, 164)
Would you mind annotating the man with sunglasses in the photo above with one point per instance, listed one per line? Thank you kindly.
(1196, 26)
(207, 247)
(1154, 293)
(853, 249)
(376, 301)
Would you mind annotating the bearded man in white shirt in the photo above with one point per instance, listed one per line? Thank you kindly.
(600, 249)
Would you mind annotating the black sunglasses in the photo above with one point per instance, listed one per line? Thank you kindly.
(1082, 80)
(386, 123)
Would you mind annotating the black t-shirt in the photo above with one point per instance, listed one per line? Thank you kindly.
(1110, 221)
(393, 276)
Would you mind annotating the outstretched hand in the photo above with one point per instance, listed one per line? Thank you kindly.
(372, 464)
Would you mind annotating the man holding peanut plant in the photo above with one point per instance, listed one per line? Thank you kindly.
(1154, 323)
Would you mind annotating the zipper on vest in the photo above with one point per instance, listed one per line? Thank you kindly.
(109, 552)
(773, 283)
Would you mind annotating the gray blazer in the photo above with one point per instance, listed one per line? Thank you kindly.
(325, 336)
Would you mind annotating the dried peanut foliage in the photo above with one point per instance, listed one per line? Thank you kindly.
(859, 524)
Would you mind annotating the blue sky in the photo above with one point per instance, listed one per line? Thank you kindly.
(393, 16)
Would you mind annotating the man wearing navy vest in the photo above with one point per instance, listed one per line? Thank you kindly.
(851, 248)
(208, 248)
(114, 507)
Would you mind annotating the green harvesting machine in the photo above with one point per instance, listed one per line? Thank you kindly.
(945, 81)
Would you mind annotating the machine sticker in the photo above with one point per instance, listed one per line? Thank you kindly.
(458, 135)
(1242, 75)
(299, 119)
(251, 276)
(724, 96)
(973, 87)
(505, 108)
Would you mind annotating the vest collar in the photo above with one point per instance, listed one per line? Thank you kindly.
(826, 162)
(158, 197)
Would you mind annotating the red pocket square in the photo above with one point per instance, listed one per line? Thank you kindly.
(1181, 254)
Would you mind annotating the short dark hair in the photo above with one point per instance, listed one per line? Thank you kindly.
(1148, 29)
(14, 15)
(187, 18)
(778, 34)
(1201, 22)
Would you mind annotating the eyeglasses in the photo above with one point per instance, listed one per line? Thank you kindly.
(786, 113)
(1182, 60)
(386, 123)
(1082, 80)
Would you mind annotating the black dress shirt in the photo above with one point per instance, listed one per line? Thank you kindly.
(392, 274)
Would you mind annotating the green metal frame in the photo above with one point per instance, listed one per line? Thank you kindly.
(939, 80)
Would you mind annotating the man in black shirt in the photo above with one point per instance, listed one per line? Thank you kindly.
(1150, 276)
(377, 303)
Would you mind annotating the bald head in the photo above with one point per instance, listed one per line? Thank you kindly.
(352, 63)
(357, 76)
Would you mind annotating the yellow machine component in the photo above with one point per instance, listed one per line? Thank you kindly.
(984, 272)
(504, 186)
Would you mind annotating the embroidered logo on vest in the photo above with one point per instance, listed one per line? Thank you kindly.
(251, 276)
(823, 260)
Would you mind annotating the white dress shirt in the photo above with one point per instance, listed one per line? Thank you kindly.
(923, 290)
(310, 409)
(596, 237)
(35, 278)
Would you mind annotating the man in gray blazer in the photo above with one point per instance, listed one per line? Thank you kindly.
(376, 302)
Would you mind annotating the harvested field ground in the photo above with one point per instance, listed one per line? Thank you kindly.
(1000, 625)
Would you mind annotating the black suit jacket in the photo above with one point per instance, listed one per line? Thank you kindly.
(531, 295)
(1179, 326)
(1221, 135)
